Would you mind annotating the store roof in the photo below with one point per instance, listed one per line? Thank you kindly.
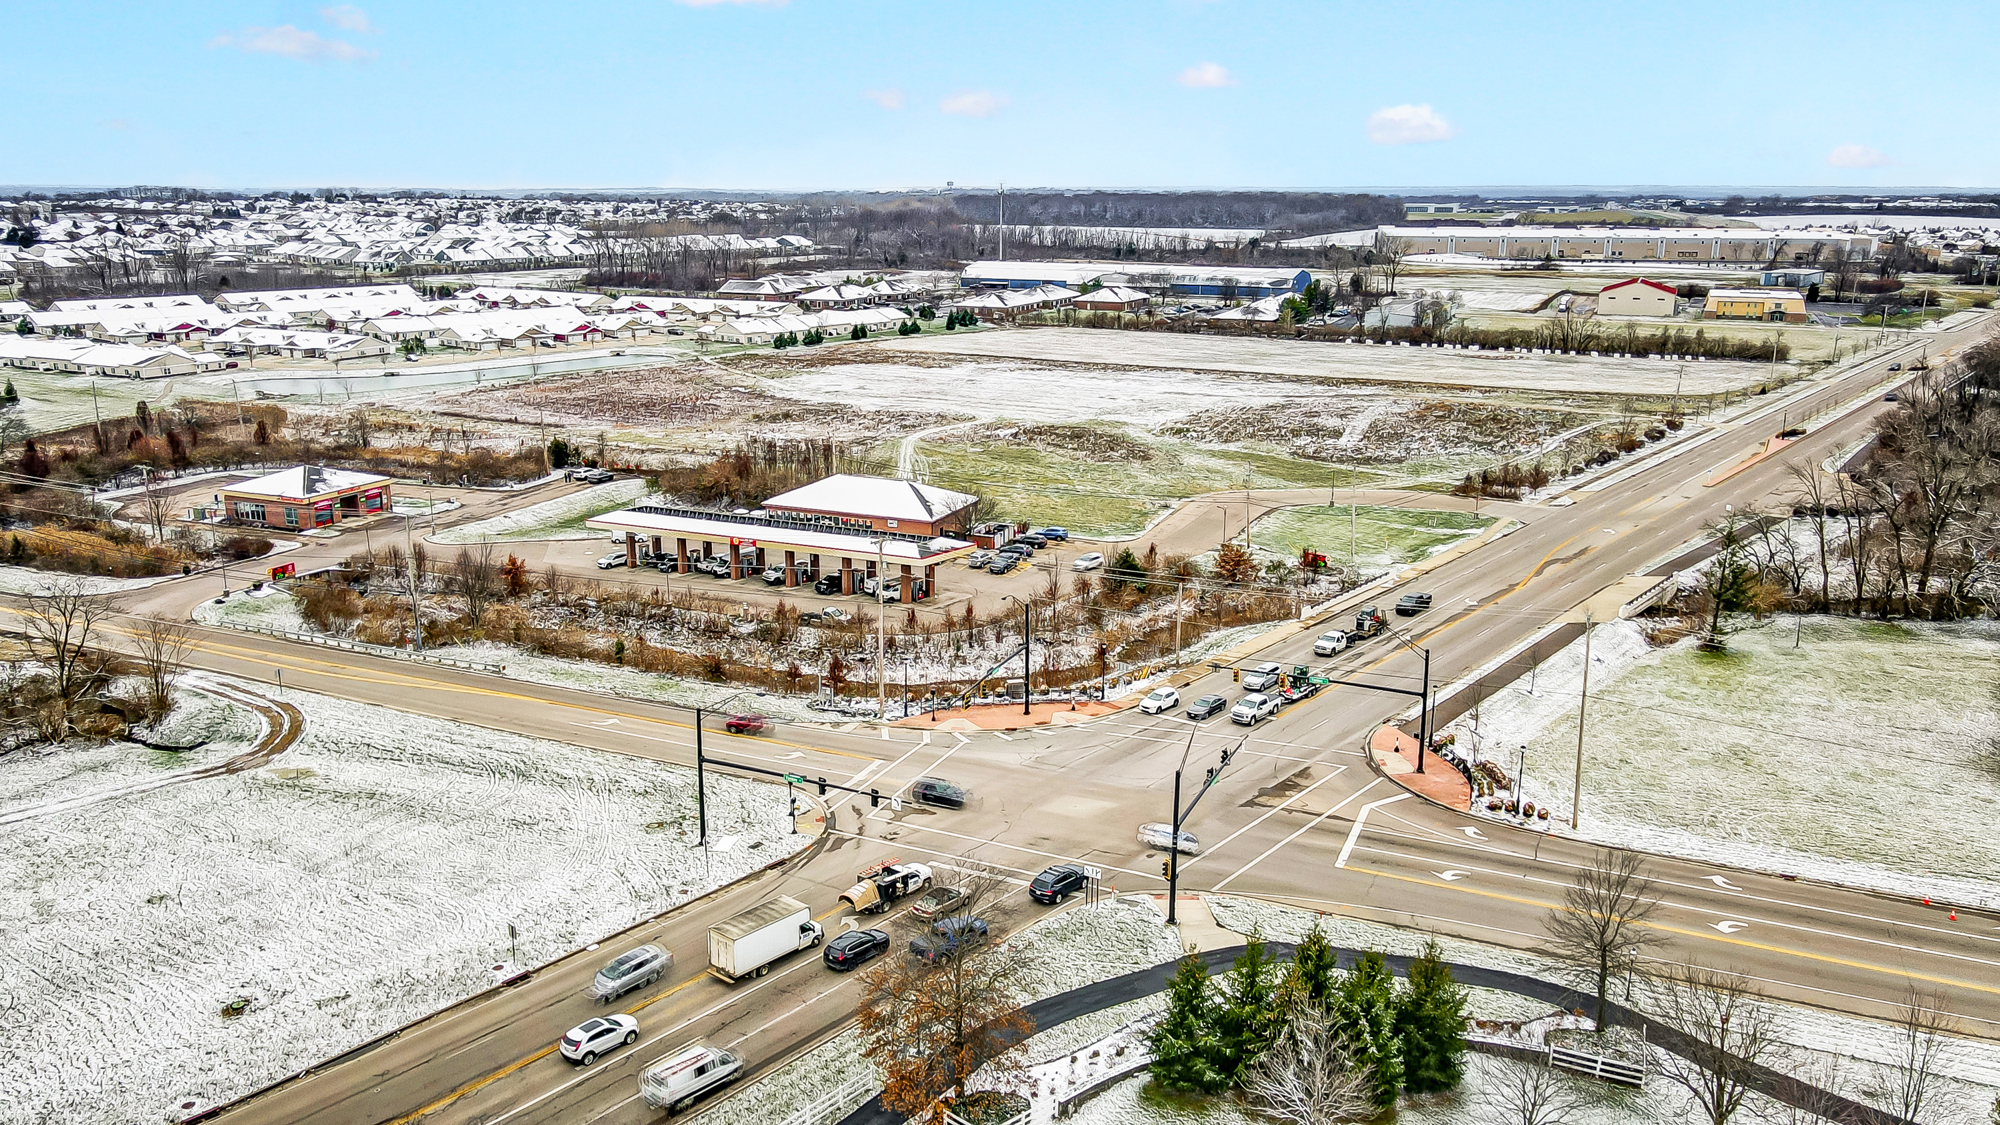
(879, 497)
(304, 482)
(719, 530)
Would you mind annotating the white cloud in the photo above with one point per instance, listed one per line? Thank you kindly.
(1205, 76)
(347, 17)
(973, 103)
(1408, 124)
(292, 43)
(891, 98)
(1857, 156)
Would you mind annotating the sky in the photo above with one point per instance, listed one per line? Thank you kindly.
(888, 94)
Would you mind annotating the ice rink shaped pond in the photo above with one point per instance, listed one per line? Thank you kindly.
(363, 880)
(1862, 756)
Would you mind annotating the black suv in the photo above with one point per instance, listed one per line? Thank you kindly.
(827, 584)
(850, 949)
(1057, 883)
(938, 791)
(1412, 604)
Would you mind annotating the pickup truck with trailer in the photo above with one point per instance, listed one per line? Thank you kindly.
(881, 885)
(1301, 684)
(746, 945)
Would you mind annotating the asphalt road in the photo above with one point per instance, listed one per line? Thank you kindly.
(1299, 816)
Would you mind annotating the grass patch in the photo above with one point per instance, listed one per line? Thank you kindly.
(1380, 537)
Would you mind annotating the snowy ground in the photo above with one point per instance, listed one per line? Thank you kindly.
(560, 518)
(36, 583)
(586, 675)
(365, 879)
(37, 774)
(1846, 758)
(266, 607)
(1283, 358)
(1385, 537)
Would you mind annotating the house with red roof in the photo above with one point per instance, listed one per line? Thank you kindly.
(1635, 296)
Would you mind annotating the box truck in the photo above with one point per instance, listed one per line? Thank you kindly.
(746, 945)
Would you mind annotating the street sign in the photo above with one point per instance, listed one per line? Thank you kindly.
(895, 804)
(1093, 872)
(794, 779)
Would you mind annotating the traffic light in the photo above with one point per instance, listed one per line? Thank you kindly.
(874, 798)
(822, 787)
(1236, 675)
(1167, 868)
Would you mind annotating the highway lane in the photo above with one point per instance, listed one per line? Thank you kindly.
(1078, 793)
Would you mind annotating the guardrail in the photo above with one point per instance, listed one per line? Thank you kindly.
(1597, 1066)
(345, 645)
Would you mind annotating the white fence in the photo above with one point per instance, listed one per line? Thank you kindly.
(835, 1103)
(1597, 1066)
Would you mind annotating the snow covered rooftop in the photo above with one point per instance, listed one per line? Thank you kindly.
(305, 482)
(881, 497)
(721, 530)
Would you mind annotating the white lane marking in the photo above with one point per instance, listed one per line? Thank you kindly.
(1003, 844)
(1268, 814)
(1723, 883)
(1360, 819)
(905, 785)
(1473, 833)
(789, 757)
(1005, 735)
(603, 722)
(962, 740)
(1451, 876)
(1313, 823)
(885, 735)
(1729, 925)
(926, 740)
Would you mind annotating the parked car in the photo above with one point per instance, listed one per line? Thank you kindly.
(593, 1037)
(1161, 836)
(833, 613)
(1032, 540)
(1091, 561)
(1054, 534)
(746, 724)
(1002, 564)
(1251, 708)
(714, 565)
(635, 968)
(1025, 550)
(1262, 676)
(855, 948)
(979, 558)
(938, 902)
(827, 584)
(937, 791)
(667, 562)
(949, 937)
(1057, 883)
(774, 575)
(1330, 642)
(1409, 605)
(614, 559)
(1206, 706)
(1160, 699)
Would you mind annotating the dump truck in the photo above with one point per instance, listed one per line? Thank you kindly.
(879, 886)
(746, 945)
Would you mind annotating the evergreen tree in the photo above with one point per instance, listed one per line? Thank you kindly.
(1125, 570)
(1183, 1042)
(23, 328)
(950, 320)
(1313, 975)
(1430, 1025)
(559, 451)
(1364, 1013)
(10, 396)
(1247, 1018)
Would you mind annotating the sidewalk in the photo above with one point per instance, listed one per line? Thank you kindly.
(1199, 929)
(1007, 716)
(1395, 756)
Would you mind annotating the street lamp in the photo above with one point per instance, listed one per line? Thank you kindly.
(881, 631)
(701, 762)
(1424, 710)
(1027, 659)
(1180, 815)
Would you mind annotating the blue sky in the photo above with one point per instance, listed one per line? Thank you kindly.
(857, 94)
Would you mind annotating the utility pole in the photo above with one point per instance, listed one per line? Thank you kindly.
(1576, 796)
(1003, 222)
(881, 634)
(1180, 596)
(416, 613)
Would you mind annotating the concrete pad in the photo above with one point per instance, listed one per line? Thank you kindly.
(1395, 754)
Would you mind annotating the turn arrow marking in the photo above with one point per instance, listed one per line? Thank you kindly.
(1729, 925)
(1723, 883)
(1451, 876)
(604, 722)
(1473, 832)
(790, 756)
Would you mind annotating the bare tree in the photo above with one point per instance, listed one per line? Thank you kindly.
(1534, 1094)
(1306, 1077)
(1729, 1036)
(158, 504)
(162, 644)
(60, 624)
(1923, 1028)
(1812, 495)
(476, 579)
(1600, 929)
(1389, 254)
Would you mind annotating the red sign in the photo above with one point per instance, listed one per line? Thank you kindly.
(284, 570)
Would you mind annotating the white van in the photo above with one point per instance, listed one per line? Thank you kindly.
(687, 1074)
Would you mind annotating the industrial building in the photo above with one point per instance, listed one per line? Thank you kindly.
(1226, 282)
(1787, 305)
(1636, 296)
(1666, 244)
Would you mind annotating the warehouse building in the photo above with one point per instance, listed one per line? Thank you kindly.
(1668, 244)
(1636, 296)
(1787, 305)
(1226, 282)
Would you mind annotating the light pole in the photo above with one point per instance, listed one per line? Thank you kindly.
(416, 612)
(1180, 815)
(1424, 709)
(1027, 658)
(701, 764)
(881, 632)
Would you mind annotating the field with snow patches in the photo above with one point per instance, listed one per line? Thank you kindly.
(34, 775)
(364, 880)
(1815, 1042)
(560, 518)
(1386, 537)
(1846, 758)
(266, 607)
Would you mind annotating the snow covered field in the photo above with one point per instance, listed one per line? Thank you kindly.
(363, 880)
(1846, 759)
(1282, 358)
(1385, 537)
(35, 775)
(560, 518)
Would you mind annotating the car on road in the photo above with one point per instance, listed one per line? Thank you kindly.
(827, 584)
(1160, 699)
(635, 968)
(938, 902)
(979, 558)
(1003, 564)
(746, 724)
(583, 1043)
(591, 476)
(1091, 561)
(1057, 883)
(1409, 605)
(1206, 706)
(1892, 396)
(937, 791)
(1262, 676)
(1330, 642)
(1895, 367)
(614, 559)
(1054, 534)
(1161, 836)
(1251, 708)
(854, 949)
(950, 936)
